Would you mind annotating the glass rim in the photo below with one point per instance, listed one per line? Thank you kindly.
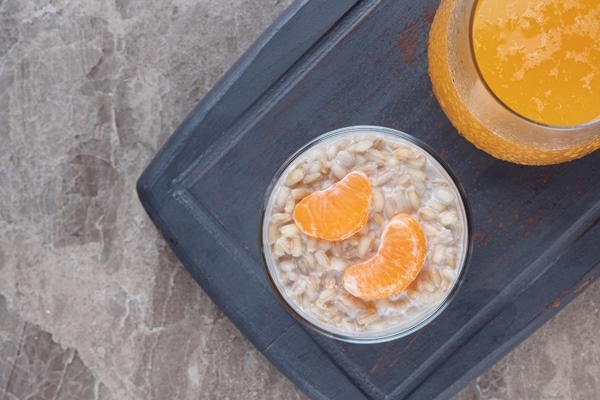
(467, 251)
(490, 92)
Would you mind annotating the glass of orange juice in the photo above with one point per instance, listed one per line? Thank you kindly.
(520, 79)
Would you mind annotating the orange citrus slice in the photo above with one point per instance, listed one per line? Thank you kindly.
(337, 212)
(397, 263)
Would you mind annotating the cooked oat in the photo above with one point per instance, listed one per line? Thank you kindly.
(404, 180)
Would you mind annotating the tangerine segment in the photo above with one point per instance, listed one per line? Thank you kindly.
(397, 263)
(337, 212)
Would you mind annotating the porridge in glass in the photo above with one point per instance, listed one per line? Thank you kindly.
(365, 234)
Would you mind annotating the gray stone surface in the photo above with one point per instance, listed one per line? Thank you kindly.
(92, 302)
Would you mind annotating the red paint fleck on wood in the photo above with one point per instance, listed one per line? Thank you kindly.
(583, 285)
(556, 303)
(486, 239)
(383, 355)
(376, 365)
(405, 349)
(429, 14)
(408, 43)
(383, 59)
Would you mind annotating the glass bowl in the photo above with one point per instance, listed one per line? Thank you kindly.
(406, 176)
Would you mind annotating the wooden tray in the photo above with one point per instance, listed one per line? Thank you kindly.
(327, 64)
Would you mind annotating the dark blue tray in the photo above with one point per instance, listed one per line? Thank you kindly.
(327, 64)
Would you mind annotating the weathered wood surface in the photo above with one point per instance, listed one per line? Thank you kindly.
(325, 65)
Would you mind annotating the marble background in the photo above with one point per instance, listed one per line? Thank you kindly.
(93, 305)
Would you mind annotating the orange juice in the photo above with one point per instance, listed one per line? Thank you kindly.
(519, 79)
(541, 57)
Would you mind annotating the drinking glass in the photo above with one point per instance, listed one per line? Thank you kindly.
(478, 114)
